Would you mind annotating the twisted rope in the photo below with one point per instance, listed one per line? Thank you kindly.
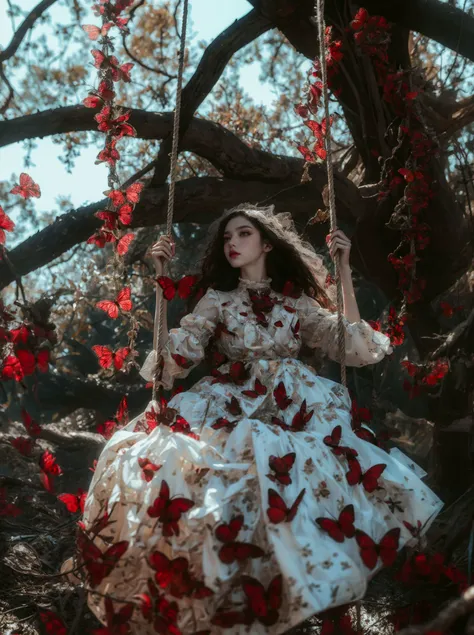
(341, 336)
(171, 193)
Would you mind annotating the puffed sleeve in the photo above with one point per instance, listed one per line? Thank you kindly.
(318, 329)
(188, 340)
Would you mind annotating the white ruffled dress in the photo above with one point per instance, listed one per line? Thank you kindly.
(221, 533)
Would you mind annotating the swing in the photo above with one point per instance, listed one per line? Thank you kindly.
(158, 325)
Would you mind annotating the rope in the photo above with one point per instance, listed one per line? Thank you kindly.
(341, 336)
(158, 327)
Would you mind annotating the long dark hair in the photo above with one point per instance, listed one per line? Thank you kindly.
(283, 263)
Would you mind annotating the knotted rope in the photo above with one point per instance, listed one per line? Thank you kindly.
(158, 326)
(341, 336)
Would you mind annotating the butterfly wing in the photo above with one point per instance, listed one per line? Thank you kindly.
(120, 356)
(354, 474)
(370, 478)
(124, 299)
(367, 548)
(133, 192)
(346, 521)
(104, 354)
(123, 245)
(331, 527)
(388, 546)
(281, 398)
(168, 286)
(334, 438)
(255, 593)
(277, 511)
(294, 508)
(185, 286)
(111, 308)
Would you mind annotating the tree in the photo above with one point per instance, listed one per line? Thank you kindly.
(231, 152)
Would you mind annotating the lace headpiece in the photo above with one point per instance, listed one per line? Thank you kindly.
(283, 226)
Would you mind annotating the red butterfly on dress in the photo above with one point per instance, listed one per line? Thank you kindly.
(414, 530)
(172, 575)
(341, 528)
(238, 374)
(301, 418)
(281, 465)
(6, 225)
(116, 622)
(232, 550)
(333, 440)
(27, 187)
(264, 604)
(74, 502)
(148, 468)
(182, 287)
(258, 391)
(97, 563)
(278, 511)
(368, 479)
(169, 510)
(233, 407)
(122, 302)
(224, 424)
(108, 357)
(182, 361)
(386, 549)
(281, 398)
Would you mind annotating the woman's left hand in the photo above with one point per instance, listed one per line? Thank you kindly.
(338, 241)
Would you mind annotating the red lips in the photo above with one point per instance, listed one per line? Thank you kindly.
(233, 253)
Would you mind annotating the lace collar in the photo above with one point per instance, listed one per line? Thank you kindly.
(259, 285)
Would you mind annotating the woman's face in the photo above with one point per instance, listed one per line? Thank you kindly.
(243, 244)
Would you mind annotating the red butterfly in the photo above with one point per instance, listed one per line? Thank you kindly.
(122, 215)
(53, 623)
(278, 324)
(122, 302)
(290, 290)
(237, 374)
(109, 154)
(183, 287)
(223, 423)
(124, 243)
(341, 528)
(259, 390)
(171, 574)
(301, 418)
(30, 362)
(182, 426)
(130, 195)
(386, 549)
(49, 468)
(333, 441)
(74, 502)
(12, 369)
(33, 428)
(121, 416)
(263, 604)
(23, 445)
(168, 510)
(6, 225)
(233, 407)
(182, 361)
(368, 479)
(414, 530)
(289, 309)
(107, 356)
(233, 551)
(101, 238)
(296, 329)
(27, 187)
(278, 511)
(94, 31)
(281, 398)
(148, 468)
(116, 622)
(281, 465)
(99, 565)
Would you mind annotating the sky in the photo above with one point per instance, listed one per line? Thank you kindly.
(87, 181)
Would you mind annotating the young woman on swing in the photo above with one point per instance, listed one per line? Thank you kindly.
(250, 503)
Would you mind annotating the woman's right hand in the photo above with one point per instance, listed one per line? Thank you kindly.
(162, 251)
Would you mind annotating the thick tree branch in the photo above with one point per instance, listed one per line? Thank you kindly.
(222, 148)
(23, 29)
(198, 200)
(210, 68)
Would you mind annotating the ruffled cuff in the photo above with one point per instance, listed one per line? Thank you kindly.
(365, 345)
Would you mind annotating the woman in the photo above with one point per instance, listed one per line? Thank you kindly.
(249, 503)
